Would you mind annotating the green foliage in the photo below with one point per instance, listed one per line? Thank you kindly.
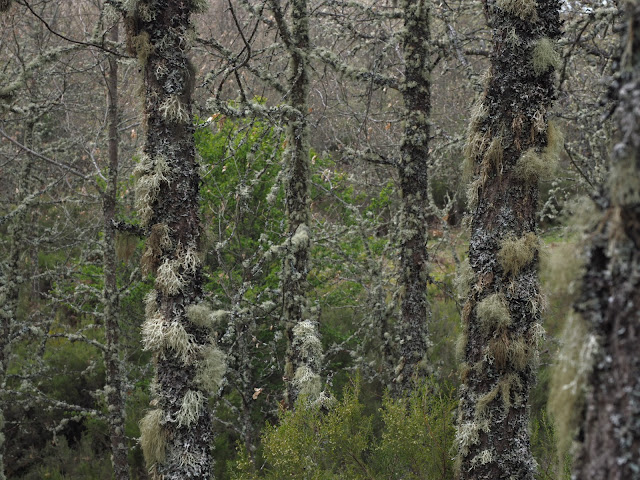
(409, 438)
(242, 200)
(418, 434)
(61, 461)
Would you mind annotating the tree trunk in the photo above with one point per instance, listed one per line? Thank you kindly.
(303, 354)
(176, 435)
(414, 154)
(111, 300)
(510, 146)
(611, 290)
(12, 280)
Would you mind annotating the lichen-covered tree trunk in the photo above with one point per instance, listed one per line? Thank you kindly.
(12, 279)
(610, 301)
(412, 170)
(303, 345)
(511, 145)
(176, 434)
(111, 300)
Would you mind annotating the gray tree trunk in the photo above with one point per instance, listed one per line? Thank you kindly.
(510, 146)
(111, 299)
(176, 435)
(611, 290)
(412, 169)
(303, 356)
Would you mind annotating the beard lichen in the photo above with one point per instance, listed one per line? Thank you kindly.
(153, 329)
(523, 9)
(199, 314)
(158, 241)
(493, 313)
(534, 165)
(308, 382)
(544, 56)
(151, 173)
(173, 110)
(517, 253)
(211, 368)
(193, 404)
(153, 437)
(168, 279)
(157, 336)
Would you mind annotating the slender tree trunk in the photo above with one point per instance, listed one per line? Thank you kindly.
(611, 290)
(12, 279)
(111, 300)
(416, 93)
(176, 435)
(510, 146)
(303, 346)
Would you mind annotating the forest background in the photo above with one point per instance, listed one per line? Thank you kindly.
(75, 261)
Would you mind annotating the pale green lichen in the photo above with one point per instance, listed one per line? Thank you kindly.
(153, 438)
(493, 156)
(168, 279)
(301, 239)
(523, 9)
(544, 56)
(533, 165)
(211, 368)
(200, 314)
(479, 113)
(152, 173)
(464, 279)
(477, 143)
(193, 404)
(181, 342)
(158, 336)
(306, 339)
(173, 110)
(153, 331)
(142, 47)
(150, 303)
(482, 458)
(461, 344)
(308, 382)
(189, 259)
(493, 313)
(158, 241)
(517, 253)
(468, 434)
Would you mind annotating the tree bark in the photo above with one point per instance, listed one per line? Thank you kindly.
(303, 356)
(176, 435)
(412, 170)
(611, 289)
(510, 146)
(111, 299)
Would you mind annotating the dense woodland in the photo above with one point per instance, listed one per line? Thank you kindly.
(319, 239)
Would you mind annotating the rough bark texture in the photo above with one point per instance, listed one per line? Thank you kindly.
(510, 145)
(610, 301)
(176, 435)
(412, 170)
(303, 349)
(111, 300)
